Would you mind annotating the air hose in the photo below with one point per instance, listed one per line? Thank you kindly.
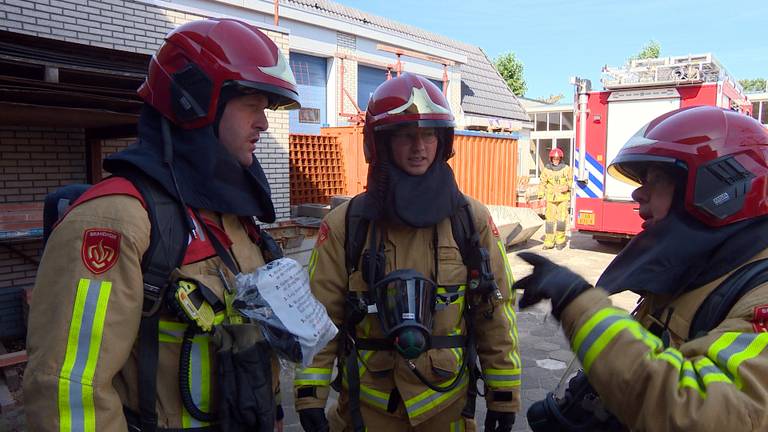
(184, 363)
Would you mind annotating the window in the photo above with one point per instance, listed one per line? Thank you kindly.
(554, 121)
(309, 115)
(764, 112)
(567, 120)
(541, 121)
(756, 110)
(368, 79)
(545, 145)
(564, 144)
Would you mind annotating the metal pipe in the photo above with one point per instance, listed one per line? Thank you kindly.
(582, 86)
(445, 80)
(277, 12)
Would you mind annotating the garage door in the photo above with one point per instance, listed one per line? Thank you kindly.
(312, 81)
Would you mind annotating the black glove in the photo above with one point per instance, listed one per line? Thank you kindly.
(313, 420)
(496, 421)
(549, 281)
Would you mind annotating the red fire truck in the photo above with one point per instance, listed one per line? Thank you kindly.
(633, 95)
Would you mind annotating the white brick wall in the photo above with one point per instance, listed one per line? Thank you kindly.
(347, 43)
(139, 26)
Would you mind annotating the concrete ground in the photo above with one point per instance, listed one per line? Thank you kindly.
(545, 352)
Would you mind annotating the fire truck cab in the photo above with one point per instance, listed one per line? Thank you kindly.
(634, 95)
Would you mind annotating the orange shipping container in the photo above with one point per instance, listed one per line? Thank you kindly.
(485, 164)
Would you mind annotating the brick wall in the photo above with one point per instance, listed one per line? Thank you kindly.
(139, 26)
(347, 44)
(35, 161)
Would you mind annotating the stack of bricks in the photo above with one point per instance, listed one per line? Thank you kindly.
(317, 169)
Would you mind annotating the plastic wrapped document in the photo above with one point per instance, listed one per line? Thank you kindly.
(278, 297)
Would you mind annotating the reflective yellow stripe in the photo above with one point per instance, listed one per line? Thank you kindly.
(458, 425)
(199, 375)
(732, 349)
(312, 377)
(502, 378)
(507, 270)
(430, 399)
(509, 311)
(312, 263)
(590, 340)
(86, 330)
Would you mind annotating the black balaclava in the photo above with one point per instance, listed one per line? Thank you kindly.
(416, 201)
(680, 253)
(209, 177)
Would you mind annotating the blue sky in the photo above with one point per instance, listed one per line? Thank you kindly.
(556, 39)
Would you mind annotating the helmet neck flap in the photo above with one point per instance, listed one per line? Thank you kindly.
(208, 176)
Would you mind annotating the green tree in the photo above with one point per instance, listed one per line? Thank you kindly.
(754, 85)
(651, 50)
(511, 69)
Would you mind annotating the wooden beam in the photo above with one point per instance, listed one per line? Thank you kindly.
(414, 54)
(12, 359)
(93, 157)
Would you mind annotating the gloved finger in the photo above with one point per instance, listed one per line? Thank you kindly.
(534, 259)
(530, 297)
(526, 282)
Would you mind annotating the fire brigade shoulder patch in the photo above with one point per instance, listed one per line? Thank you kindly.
(101, 248)
(760, 319)
(493, 226)
(322, 236)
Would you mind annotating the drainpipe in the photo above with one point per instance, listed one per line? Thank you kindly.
(445, 80)
(277, 12)
(583, 86)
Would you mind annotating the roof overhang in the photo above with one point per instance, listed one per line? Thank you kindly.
(46, 82)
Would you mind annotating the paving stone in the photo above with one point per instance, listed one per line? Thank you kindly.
(564, 355)
(550, 364)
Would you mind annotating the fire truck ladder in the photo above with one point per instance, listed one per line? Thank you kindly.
(665, 71)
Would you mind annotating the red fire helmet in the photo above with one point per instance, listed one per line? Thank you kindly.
(405, 100)
(555, 152)
(724, 154)
(187, 73)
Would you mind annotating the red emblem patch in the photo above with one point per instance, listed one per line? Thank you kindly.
(322, 236)
(760, 319)
(493, 227)
(101, 247)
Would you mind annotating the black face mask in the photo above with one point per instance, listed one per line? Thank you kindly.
(405, 301)
(208, 176)
(679, 253)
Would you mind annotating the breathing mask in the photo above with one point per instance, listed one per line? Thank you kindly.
(405, 301)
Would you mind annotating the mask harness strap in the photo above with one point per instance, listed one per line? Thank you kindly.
(353, 373)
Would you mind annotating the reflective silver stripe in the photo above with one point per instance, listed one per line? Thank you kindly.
(417, 406)
(312, 377)
(83, 347)
(195, 381)
(738, 345)
(596, 332)
(500, 380)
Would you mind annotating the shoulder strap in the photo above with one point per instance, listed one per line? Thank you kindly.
(464, 233)
(167, 246)
(716, 306)
(355, 234)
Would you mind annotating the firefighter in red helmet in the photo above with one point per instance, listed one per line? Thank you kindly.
(118, 338)
(555, 187)
(693, 356)
(414, 274)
